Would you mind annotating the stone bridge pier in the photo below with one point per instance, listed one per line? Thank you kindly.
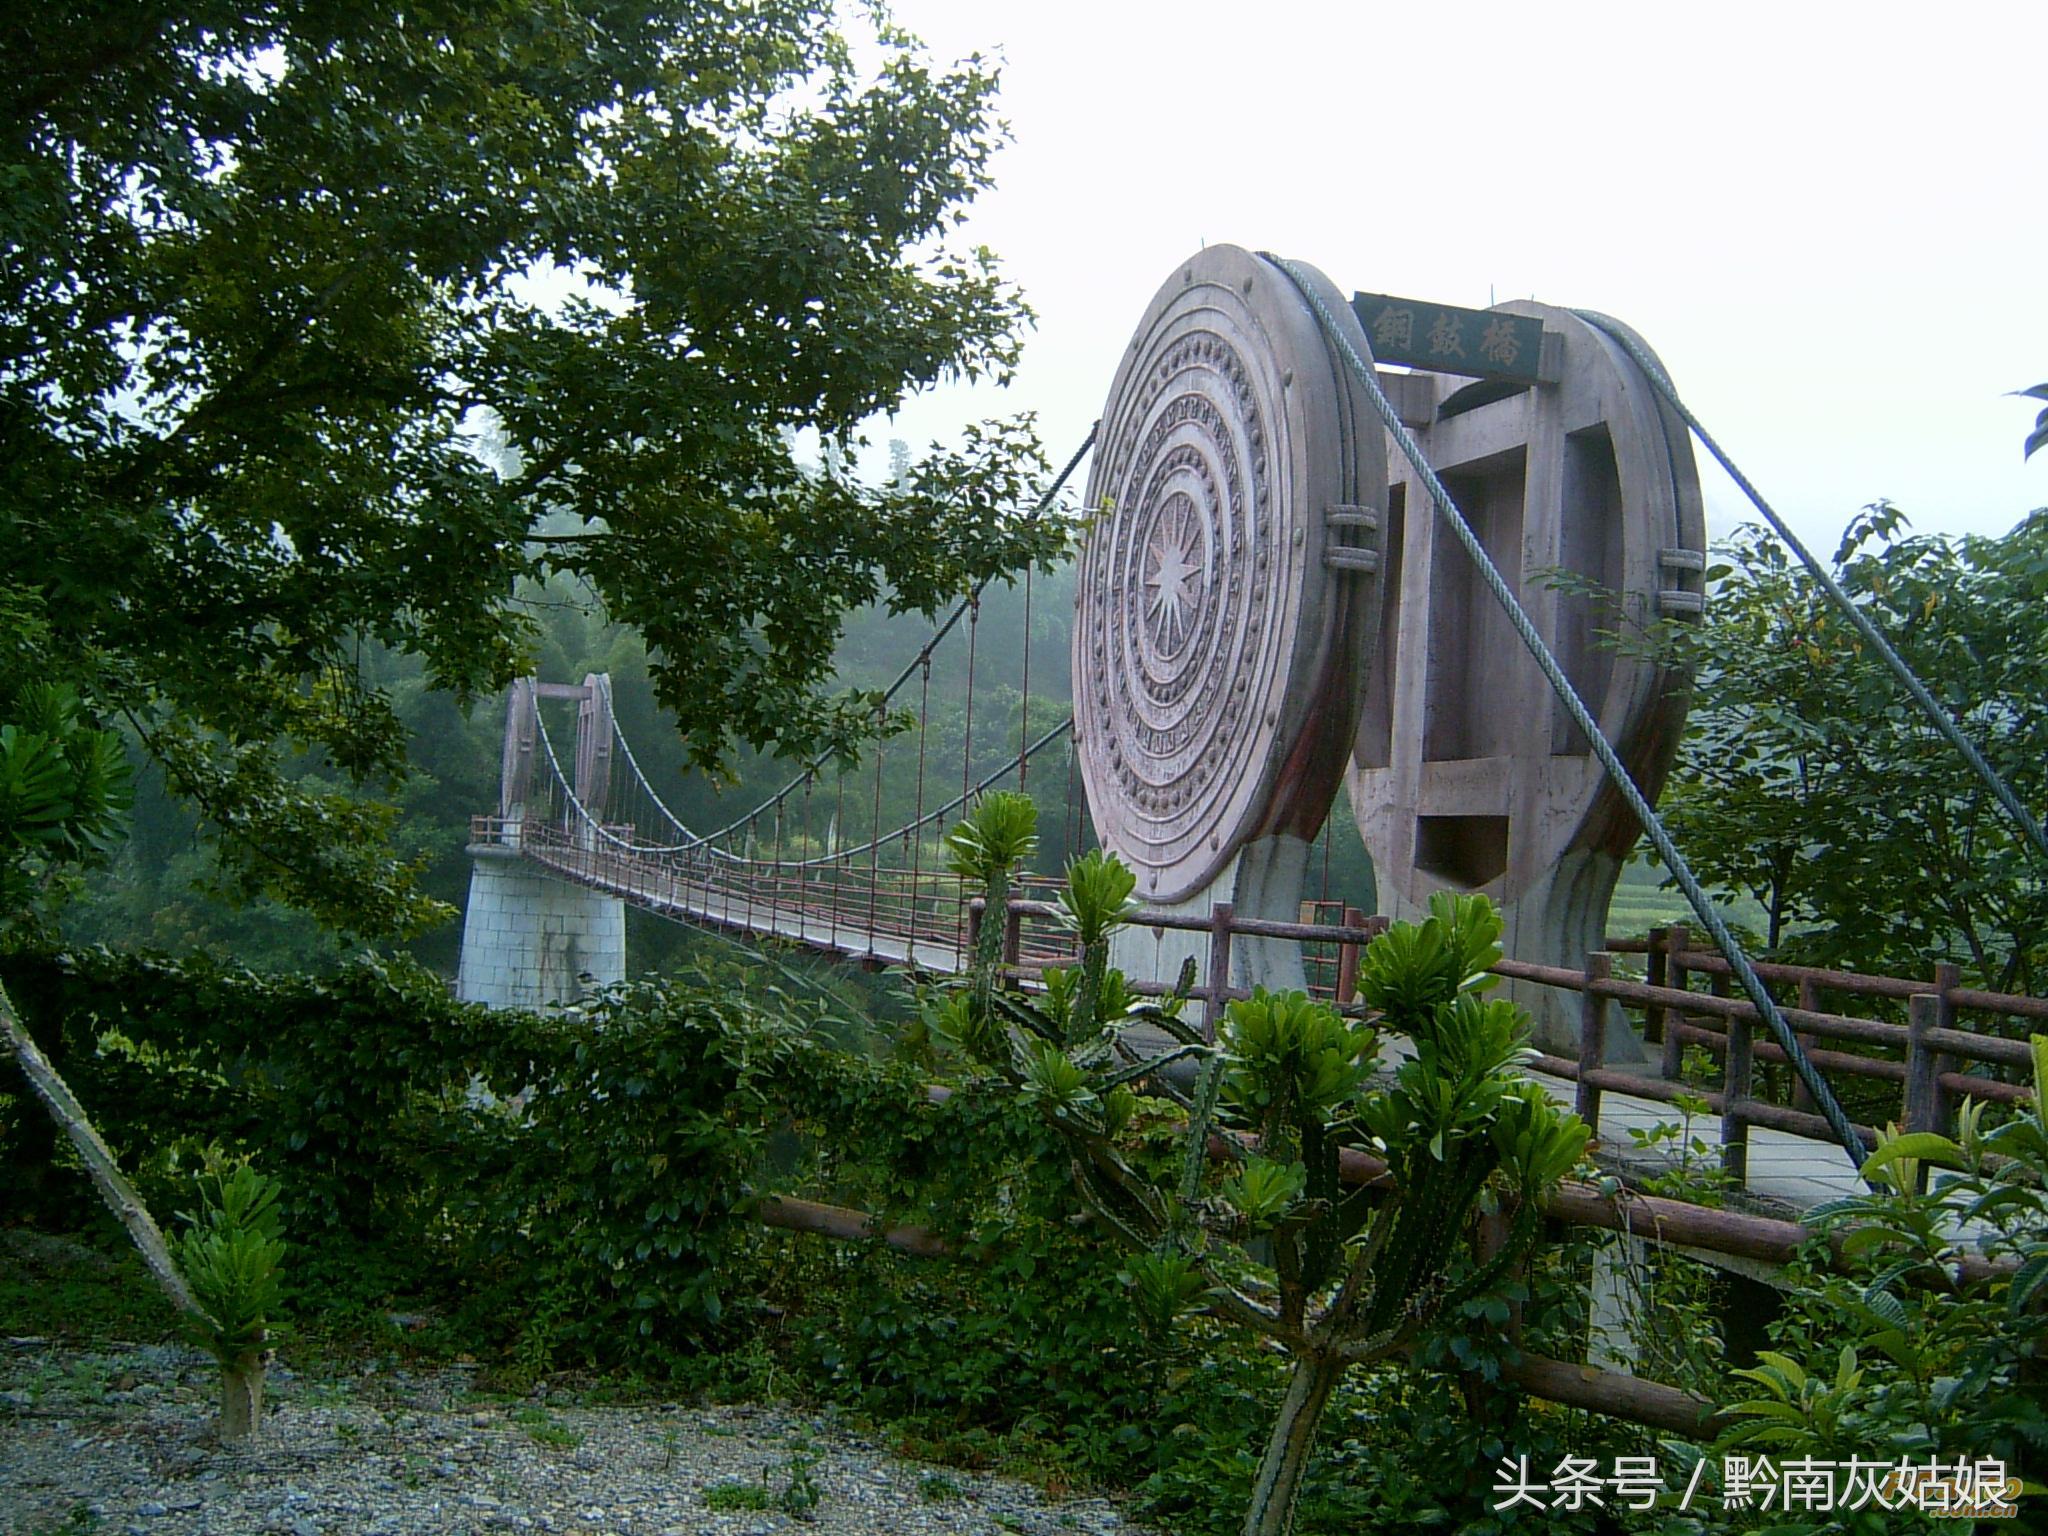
(531, 939)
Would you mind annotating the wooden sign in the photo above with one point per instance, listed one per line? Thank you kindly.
(1481, 343)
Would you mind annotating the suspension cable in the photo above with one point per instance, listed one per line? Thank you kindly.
(576, 804)
(1646, 815)
(963, 608)
(1024, 693)
(967, 737)
(1939, 718)
(832, 857)
(690, 839)
(939, 813)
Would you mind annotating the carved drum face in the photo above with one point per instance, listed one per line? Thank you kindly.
(1213, 625)
(1466, 771)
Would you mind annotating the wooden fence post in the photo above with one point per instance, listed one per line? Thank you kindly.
(1919, 1112)
(1809, 999)
(1947, 978)
(1491, 1237)
(1656, 970)
(1347, 961)
(1593, 1036)
(1677, 940)
(1220, 917)
(1013, 938)
(1735, 1086)
(1924, 1109)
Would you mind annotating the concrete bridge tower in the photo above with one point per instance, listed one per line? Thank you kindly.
(530, 938)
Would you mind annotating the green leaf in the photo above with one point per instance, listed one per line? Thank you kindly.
(1919, 1146)
(2026, 1283)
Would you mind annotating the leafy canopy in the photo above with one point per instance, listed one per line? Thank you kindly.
(278, 276)
(64, 788)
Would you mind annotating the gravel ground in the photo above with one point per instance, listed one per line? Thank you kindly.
(121, 1441)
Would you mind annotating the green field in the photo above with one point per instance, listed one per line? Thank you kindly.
(1642, 903)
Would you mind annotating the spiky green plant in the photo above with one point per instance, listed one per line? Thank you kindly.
(1094, 903)
(231, 1253)
(985, 850)
(1286, 1088)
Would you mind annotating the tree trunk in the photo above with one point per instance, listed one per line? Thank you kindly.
(113, 1185)
(241, 1396)
(1287, 1453)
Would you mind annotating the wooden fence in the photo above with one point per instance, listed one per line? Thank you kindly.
(1924, 1056)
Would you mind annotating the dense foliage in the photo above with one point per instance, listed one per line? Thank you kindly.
(1810, 783)
(279, 275)
(588, 1208)
(64, 787)
(381, 1105)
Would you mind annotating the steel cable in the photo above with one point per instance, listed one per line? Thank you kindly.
(1940, 718)
(966, 605)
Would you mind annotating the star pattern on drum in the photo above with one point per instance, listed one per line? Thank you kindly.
(1175, 582)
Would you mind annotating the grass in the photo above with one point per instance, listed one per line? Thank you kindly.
(541, 1428)
(75, 1290)
(80, 1521)
(799, 1494)
(1641, 903)
(937, 1488)
(738, 1496)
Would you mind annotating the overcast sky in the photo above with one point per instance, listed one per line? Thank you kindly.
(1830, 221)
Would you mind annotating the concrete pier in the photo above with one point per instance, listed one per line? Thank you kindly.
(533, 941)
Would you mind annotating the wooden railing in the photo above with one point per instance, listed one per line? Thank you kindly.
(1924, 1056)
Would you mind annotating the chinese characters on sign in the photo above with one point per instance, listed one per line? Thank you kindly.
(1979, 1489)
(1481, 342)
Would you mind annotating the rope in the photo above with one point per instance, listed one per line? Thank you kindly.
(1942, 721)
(1646, 815)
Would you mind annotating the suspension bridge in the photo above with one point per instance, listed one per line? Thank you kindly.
(1319, 570)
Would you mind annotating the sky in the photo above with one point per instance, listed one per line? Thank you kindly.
(1830, 221)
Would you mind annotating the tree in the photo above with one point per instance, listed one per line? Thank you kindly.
(1809, 781)
(1354, 1276)
(275, 273)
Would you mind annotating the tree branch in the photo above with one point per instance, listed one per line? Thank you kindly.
(114, 1187)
